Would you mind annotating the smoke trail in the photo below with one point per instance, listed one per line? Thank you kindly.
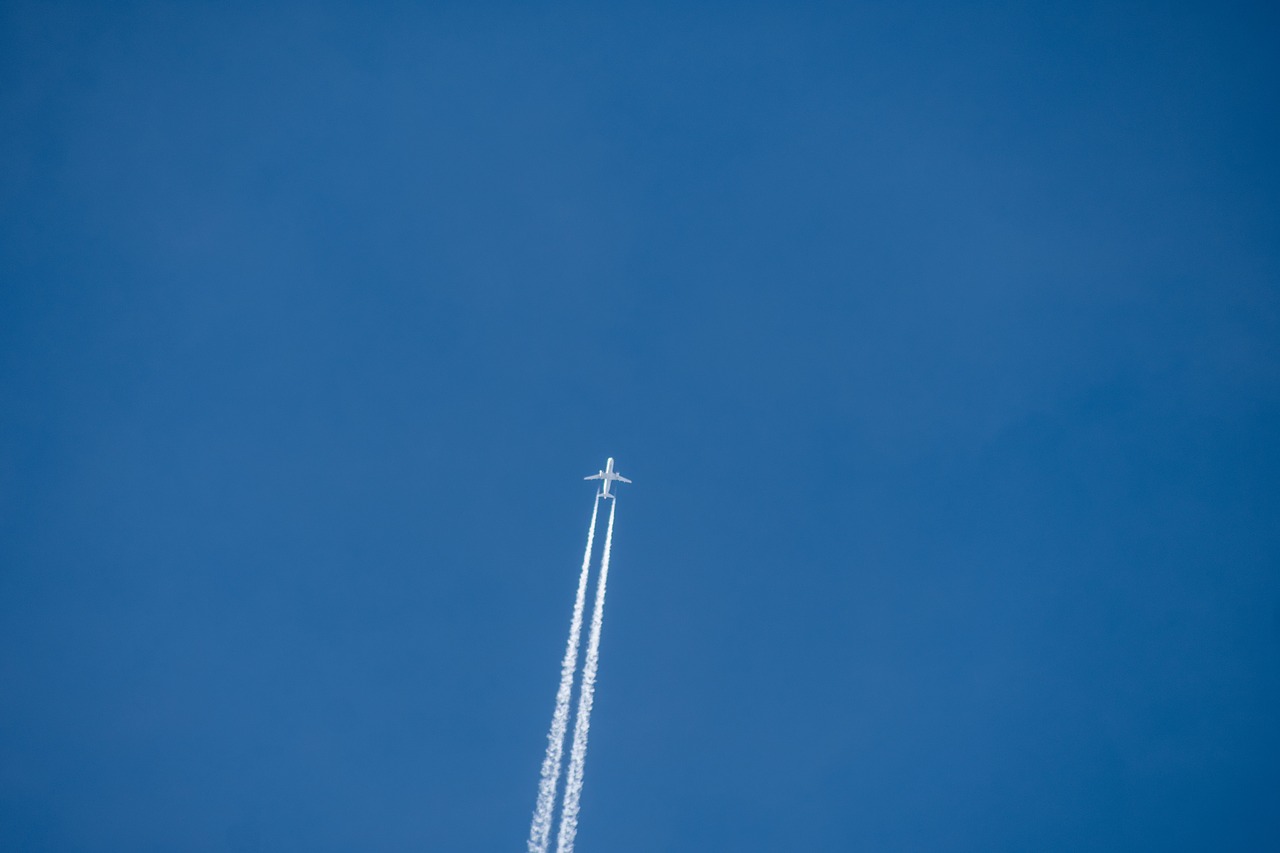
(578, 755)
(540, 829)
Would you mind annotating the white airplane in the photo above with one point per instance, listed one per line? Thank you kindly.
(608, 475)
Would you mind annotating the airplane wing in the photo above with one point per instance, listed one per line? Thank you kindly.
(594, 477)
(622, 478)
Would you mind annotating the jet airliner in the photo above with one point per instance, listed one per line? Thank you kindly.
(608, 475)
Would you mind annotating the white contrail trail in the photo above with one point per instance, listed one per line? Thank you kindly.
(578, 755)
(540, 829)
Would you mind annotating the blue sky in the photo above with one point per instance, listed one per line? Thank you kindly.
(942, 344)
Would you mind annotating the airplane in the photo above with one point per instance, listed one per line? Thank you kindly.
(608, 474)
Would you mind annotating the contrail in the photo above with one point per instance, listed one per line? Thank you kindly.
(540, 829)
(578, 755)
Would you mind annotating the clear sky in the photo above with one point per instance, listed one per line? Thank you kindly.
(942, 342)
